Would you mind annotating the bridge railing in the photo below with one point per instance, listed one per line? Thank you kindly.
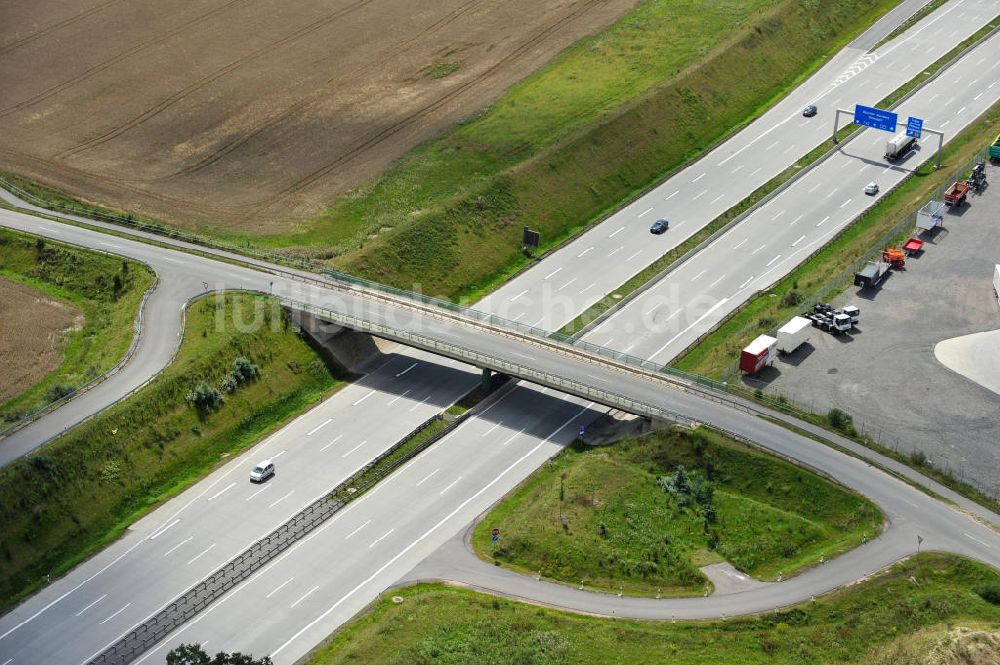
(490, 361)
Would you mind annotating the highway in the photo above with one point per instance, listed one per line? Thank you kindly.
(460, 477)
(588, 258)
(570, 280)
(386, 533)
(767, 245)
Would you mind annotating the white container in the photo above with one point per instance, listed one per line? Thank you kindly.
(792, 335)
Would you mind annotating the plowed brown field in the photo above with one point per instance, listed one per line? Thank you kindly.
(251, 114)
(32, 329)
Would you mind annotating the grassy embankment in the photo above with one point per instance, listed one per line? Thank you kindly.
(609, 117)
(84, 488)
(653, 270)
(106, 289)
(449, 216)
(868, 624)
(598, 517)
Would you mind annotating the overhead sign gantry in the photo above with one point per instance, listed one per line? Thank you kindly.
(887, 121)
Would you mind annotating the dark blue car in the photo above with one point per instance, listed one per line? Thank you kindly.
(659, 226)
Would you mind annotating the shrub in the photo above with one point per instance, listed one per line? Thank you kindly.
(841, 421)
(792, 299)
(990, 593)
(244, 371)
(205, 398)
(58, 391)
(918, 458)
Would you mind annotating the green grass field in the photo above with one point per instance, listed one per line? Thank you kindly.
(84, 488)
(448, 217)
(609, 117)
(770, 516)
(87, 280)
(919, 598)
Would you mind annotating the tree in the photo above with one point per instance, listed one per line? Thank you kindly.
(188, 654)
(205, 398)
(193, 654)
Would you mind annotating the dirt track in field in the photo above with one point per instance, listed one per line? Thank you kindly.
(252, 114)
(31, 336)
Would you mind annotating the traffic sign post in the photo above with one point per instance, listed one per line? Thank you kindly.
(870, 116)
(582, 431)
(888, 121)
(495, 535)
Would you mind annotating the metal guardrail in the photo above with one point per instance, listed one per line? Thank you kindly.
(133, 345)
(154, 629)
(500, 364)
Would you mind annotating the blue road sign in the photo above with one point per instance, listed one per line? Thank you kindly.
(873, 117)
(914, 127)
(582, 430)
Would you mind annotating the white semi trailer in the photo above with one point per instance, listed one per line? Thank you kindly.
(793, 334)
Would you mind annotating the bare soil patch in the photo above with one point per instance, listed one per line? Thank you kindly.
(32, 332)
(251, 114)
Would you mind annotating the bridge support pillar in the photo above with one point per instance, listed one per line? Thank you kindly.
(487, 383)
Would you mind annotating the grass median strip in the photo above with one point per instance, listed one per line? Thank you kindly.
(105, 289)
(643, 515)
(655, 269)
(227, 388)
(905, 611)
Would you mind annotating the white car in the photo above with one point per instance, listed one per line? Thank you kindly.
(262, 471)
(872, 188)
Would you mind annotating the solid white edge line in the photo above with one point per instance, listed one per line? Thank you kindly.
(427, 533)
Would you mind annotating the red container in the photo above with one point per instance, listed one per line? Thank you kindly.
(757, 354)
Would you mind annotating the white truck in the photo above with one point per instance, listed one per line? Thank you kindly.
(793, 334)
(898, 146)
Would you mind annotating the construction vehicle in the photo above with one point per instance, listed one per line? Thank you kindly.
(956, 194)
(995, 150)
(850, 310)
(977, 179)
(895, 257)
(898, 146)
(871, 275)
(829, 320)
(853, 312)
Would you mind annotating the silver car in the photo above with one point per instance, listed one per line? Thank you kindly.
(262, 471)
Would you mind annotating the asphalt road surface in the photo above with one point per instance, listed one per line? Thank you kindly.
(771, 242)
(338, 570)
(459, 478)
(569, 280)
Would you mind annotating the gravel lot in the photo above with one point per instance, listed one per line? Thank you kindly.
(886, 374)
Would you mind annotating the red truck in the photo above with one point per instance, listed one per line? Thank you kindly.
(956, 194)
